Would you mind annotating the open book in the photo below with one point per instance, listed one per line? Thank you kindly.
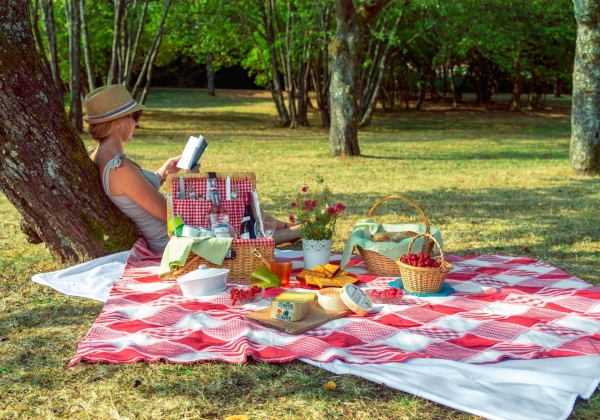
(192, 152)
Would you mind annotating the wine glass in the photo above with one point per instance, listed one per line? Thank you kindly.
(268, 227)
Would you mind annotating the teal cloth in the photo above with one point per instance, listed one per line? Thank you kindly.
(365, 228)
(178, 249)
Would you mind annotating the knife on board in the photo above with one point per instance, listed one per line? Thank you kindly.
(181, 188)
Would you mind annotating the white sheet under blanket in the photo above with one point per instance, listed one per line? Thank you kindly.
(544, 389)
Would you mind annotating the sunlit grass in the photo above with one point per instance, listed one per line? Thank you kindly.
(490, 180)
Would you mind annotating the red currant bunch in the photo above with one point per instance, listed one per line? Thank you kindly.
(420, 260)
(247, 295)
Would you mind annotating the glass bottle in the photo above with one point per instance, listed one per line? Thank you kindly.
(219, 218)
(247, 227)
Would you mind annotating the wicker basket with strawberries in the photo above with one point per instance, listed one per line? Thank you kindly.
(422, 273)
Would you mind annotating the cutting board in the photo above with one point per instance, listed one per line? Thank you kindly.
(316, 316)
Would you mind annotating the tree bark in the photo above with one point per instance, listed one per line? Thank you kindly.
(210, 75)
(87, 51)
(585, 132)
(558, 82)
(149, 61)
(346, 50)
(284, 116)
(50, 30)
(453, 87)
(45, 171)
(74, 22)
(133, 52)
(38, 35)
(515, 104)
(113, 70)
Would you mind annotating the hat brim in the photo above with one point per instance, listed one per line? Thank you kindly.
(137, 107)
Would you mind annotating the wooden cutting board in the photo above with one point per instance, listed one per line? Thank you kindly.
(316, 316)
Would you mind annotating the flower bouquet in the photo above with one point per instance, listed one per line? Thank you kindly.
(317, 212)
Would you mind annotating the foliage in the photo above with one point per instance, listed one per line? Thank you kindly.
(315, 211)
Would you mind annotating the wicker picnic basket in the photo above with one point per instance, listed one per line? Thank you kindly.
(241, 261)
(380, 264)
(424, 279)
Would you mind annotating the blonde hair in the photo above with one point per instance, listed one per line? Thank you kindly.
(101, 130)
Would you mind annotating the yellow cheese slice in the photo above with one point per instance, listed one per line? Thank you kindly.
(291, 306)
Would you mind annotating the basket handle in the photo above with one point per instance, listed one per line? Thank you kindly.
(430, 236)
(409, 201)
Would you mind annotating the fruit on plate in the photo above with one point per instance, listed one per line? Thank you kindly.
(240, 296)
(387, 296)
(420, 260)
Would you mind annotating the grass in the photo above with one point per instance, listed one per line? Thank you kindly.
(490, 180)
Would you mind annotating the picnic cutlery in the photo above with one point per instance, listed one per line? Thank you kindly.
(235, 189)
(191, 192)
(181, 188)
(228, 188)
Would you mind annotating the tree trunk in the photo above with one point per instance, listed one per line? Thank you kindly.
(210, 75)
(303, 69)
(87, 51)
(50, 29)
(515, 104)
(422, 91)
(558, 83)
(284, 116)
(148, 61)
(45, 171)
(319, 70)
(133, 52)
(346, 50)
(146, 90)
(453, 87)
(585, 132)
(38, 35)
(113, 71)
(74, 23)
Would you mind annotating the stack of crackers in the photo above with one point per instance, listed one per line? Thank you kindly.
(328, 275)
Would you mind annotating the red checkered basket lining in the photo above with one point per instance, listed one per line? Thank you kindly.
(195, 212)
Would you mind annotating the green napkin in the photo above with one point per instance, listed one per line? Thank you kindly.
(178, 249)
(363, 229)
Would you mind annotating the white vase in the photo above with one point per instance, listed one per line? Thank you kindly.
(316, 252)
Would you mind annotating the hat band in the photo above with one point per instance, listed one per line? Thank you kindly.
(117, 111)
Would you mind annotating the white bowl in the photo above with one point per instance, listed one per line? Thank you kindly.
(329, 299)
(204, 281)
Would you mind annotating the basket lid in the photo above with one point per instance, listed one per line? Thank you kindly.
(356, 300)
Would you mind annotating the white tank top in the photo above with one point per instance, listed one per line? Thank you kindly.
(150, 227)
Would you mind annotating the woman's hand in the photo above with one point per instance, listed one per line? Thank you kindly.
(195, 169)
(169, 167)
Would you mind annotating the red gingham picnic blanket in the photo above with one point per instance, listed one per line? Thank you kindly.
(503, 307)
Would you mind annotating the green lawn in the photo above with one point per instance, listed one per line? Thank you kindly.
(490, 180)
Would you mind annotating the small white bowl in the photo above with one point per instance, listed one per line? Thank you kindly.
(204, 281)
(330, 300)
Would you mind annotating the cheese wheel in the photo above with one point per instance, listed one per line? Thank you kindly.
(356, 300)
(330, 300)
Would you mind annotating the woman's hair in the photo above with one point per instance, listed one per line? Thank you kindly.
(100, 131)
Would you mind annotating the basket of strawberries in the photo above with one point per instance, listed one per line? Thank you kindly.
(420, 272)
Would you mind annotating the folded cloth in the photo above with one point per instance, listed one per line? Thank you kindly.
(178, 249)
(365, 228)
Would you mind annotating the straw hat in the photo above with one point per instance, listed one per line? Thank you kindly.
(108, 103)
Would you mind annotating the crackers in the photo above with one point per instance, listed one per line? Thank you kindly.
(328, 275)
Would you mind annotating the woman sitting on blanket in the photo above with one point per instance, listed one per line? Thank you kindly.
(112, 115)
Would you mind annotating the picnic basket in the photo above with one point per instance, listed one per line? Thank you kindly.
(380, 264)
(240, 260)
(424, 279)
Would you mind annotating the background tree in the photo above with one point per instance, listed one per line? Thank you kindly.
(346, 50)
(585, 133)
(45, 171)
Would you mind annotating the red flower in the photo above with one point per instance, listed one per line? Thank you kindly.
(293, 205)
(331, 211)
(304, 189)
(339, 208)
(292, 219)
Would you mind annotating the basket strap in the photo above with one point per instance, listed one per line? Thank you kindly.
(409, 201)
(430, 236)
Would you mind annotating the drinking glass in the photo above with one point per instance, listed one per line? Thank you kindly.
(283, 270)
(268, 227)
